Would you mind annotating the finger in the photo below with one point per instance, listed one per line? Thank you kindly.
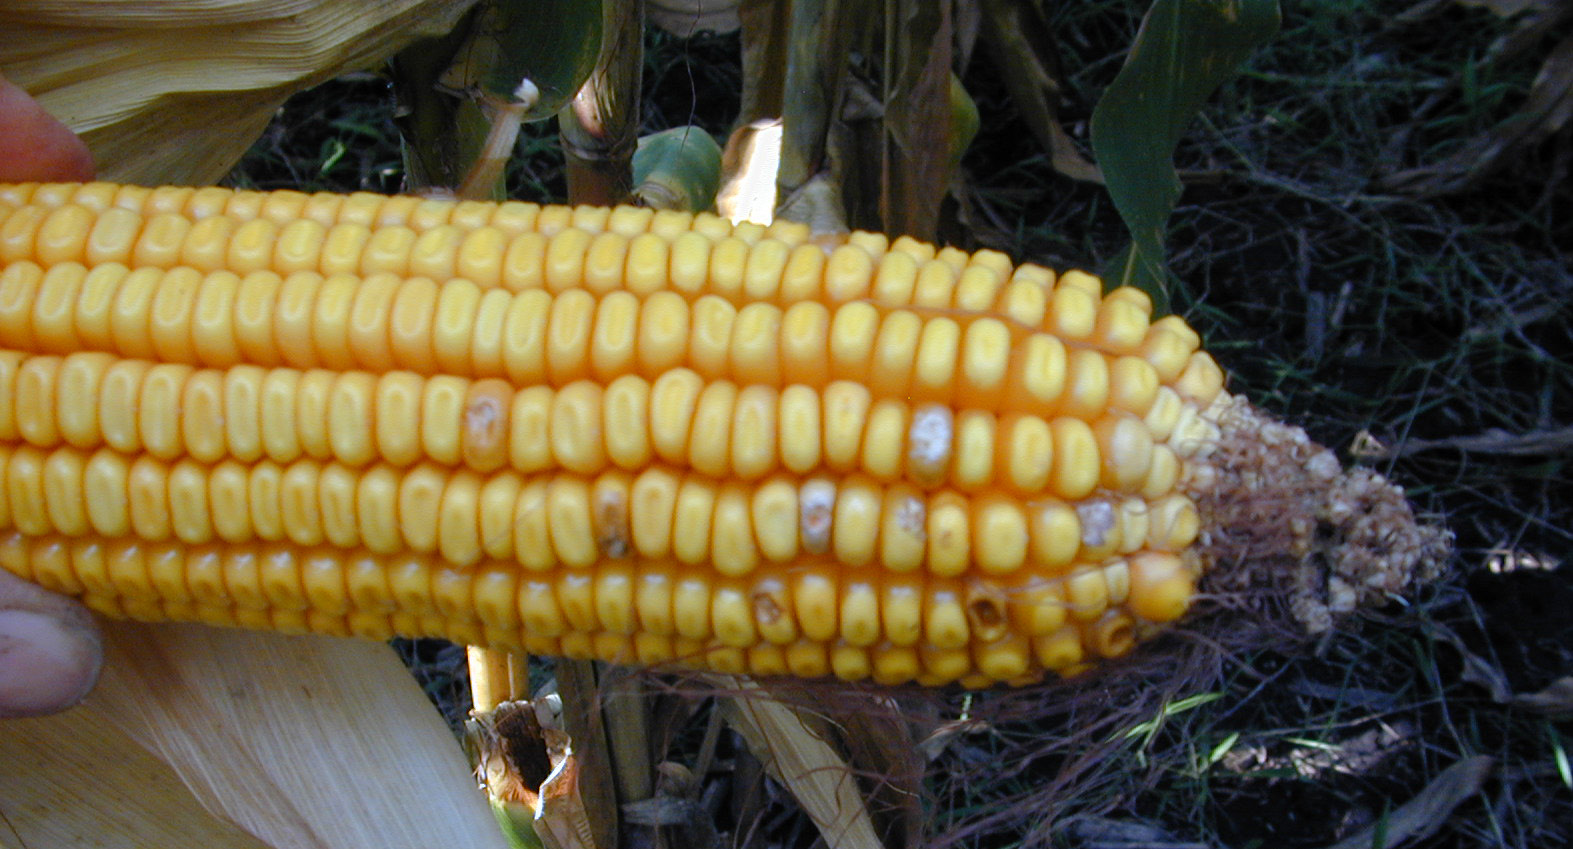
(35, 147)
(50, 649)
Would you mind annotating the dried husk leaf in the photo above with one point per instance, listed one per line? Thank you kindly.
(175, 92)
(779, 736)
(303, 741)
(73, 780)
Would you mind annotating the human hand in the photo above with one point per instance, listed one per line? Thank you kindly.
(50, 649)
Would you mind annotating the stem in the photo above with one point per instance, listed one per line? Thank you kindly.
(600, 126)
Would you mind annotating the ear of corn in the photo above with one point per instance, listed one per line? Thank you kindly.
(618, 433)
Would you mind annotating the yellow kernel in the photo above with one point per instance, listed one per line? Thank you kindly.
(999, 528)
(453, 326)
(1087, 594)
(1038, 607)
(523, 265)
(895, 352)
(1077, 466)
(711, 336)
(755, 343)
(479, 256)
(774, 513)
(855, 528)
(859, 615)
(884, 440)
(1125, 447)
(853, 332)
(673, 398)
(805, 343)
(1026, 448)
(848, 274)
(846, 406)
(626, 408)
(709, 442)
(569, 515)
(691, 521)
(1173, 523)
(949, 537)
(732, 549)
(945, 624)
(614, 343)
(903, 529)
(524, 335)
(799, 427)
(974, 466)
(663, 333)
(934, 368)
(1121, 323)
(575, 428)
(1055, 534)
(1073, 310)
(754, 432)
(565, 259)
(815, 597)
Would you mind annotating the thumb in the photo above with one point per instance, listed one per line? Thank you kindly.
(50, 649)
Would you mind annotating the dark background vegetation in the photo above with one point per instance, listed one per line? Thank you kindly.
(1425, 333)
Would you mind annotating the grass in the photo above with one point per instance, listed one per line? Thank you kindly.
(1334, 301)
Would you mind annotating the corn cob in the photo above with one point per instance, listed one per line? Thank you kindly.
(625, 434)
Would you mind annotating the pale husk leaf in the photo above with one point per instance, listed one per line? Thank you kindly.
(175, 92)
(74, 780)
(304, 741)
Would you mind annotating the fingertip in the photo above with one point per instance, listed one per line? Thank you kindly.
(46, 665)
(36, 146)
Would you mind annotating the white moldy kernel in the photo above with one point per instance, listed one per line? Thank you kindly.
(816, 507)
(912, 516)
(930, 438)
(1097, 522)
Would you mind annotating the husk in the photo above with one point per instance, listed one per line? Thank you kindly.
(132, 798)
(175, 92)
(302, 741)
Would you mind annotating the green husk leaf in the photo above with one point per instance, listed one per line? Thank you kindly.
(1183, 52)
(679, 168)
(550, 44)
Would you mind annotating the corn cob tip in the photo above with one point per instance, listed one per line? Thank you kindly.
(1286, 521)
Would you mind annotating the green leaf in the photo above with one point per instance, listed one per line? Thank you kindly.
(550, 44)
(1184, 50)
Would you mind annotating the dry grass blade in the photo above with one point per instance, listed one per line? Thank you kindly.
(1422, 815)
(915, 160)
(1020, 42)
(175, 93)
(799, 758)
(303, 741)
(1545, 112)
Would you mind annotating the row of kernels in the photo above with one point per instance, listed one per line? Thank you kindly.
(374, 210)
(821, 605)
(543, 522)
(383, 322)
(170, 409)
(690, 264)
